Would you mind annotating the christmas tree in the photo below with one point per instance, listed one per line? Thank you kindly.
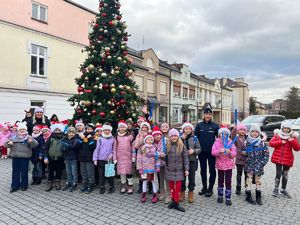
(106, 91)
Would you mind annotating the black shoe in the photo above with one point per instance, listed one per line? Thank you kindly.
(238, 190)
(79, 180)
(102, 190)
(258, 197)
(33, 181)
(209, 193)
(220, 199)
(65, 188)
(249, 198)
(203, 191)
(13, 190)
(58, 185)
(228, 202)
(84, 188)
(140, 191)
(49, 186)
(24, 188)
(89, 190)
(171, 205)
(73, 188)
(38, 181)
(111, 190)
(178, 207)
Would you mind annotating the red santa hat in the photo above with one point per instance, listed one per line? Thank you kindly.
(65, 122)
(141, 119)
(224, 129)
(45, 127)
(98, 127)
(146, 124)
(122, 123)
(38, 127)
(78, 123)
(149, 135)
(186, 124)
(156, 131)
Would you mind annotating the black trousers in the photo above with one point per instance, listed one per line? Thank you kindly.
(192, 174)
(281, 171)
(55, 168)
(205, 157)
(102, 178)
(239, 174)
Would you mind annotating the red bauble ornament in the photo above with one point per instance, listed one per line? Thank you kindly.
(123, 93)
(83, 71)
(107, 53)
(125, 53)
(125, 38)
(94, 111)
(119, 115)
(118, 6)
(96, 25)
(104, 14)
(102, 114)
(119, 17)
(101, 4)
(127, 112)
(100, 38)
(111, 23)
(87, 91)
(127, 74)
(122, 101)
(105, 86)
(80, 89)
(79, 110)
(118, 103)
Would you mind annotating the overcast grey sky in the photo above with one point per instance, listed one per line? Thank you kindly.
(257, 39)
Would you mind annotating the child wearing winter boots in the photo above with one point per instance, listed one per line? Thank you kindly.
(85, 157)
(193, 148)
(177, 167)
(21, 151)
(124, 156)
(71, 156)
(284, 142)
(240, 160)
(257, 158)
(224, 150)
(37, 155)
(148, 167)
(139, 141)
(4, 136)
(101, 155)
(53, 156)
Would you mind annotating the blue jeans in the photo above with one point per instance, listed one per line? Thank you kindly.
(87, 171)
(71, 167)
(37, 170)
(19, 173)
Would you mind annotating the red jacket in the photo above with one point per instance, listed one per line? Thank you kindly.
(283, 153)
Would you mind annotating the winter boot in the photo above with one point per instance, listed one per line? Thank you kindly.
(38, 181)
(275, 192)
(123, 189)
(258, 197)
(84, 188)
(182, 196)
(102, 190)
(228, 197)
(191, 197)
(130, 190)
(209, 193)
(154, 198)
(33, 181)
(73, 188)
(220, 195)
(49, 186)
(57, 185)
(178, 207)
(249, 198)
(203, 191)
(89, 189)
(111, 190)
(171, 205)
(66, 187)
(140, 190)
(143, 197)
(238, 190)
(285, 193)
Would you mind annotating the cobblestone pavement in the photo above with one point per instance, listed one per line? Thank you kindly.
(36, 206)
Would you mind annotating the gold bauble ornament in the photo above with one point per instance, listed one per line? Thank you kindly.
(91, 67)
(113, 90)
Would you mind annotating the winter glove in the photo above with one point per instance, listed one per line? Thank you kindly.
(115, 161)
(133, 160)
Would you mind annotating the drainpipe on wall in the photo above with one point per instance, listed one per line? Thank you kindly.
(170, 86)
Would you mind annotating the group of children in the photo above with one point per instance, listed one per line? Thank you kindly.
(163, 158)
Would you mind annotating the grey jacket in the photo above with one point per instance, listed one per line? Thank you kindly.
(21, 148)
(194, 144)
(176, 164)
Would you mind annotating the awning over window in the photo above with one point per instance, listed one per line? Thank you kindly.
(185, 108)
(153, 100)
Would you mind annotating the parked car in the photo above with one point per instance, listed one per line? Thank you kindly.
(296, 125)
(268, 123)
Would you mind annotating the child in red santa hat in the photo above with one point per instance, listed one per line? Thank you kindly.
(4, 136)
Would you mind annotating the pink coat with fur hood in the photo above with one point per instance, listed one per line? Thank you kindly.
(4, 137)
(223, 161)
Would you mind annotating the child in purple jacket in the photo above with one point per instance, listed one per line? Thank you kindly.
(103, 153)
(224, 153)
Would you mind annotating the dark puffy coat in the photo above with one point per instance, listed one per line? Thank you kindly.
(176, 164)
(283, 153)
(33, 121)
(240, 146)
(86, 150)
(71, 152)
(206, 133)
(193, 143)
(38, 151)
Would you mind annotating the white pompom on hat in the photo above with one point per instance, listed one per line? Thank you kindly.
(59, 126)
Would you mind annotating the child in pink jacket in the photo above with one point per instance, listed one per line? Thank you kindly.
(4, 136)
(124, 156)
(224, 150)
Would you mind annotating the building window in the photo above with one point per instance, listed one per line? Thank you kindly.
(192, 93)
(163, 88)
(185, 93)
(192, 115)
(34, 104)
(176, 91)
(163, 114)
(39, 12)
(139, 82)
(38, 60)
(150, 86)
(175, 115)
(150, 63)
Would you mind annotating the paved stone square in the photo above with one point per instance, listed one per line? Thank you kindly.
(36, 206)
